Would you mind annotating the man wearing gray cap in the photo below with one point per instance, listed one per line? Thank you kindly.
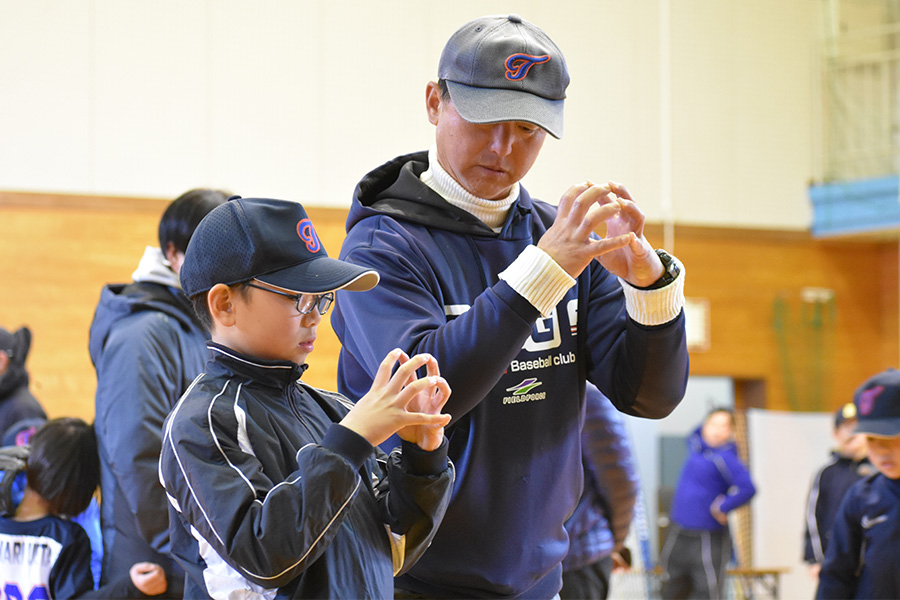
(518, 299)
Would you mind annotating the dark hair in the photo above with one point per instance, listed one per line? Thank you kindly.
(63, 466)
(720, 409)
(201, 307)
(182, 216)
(445, 90)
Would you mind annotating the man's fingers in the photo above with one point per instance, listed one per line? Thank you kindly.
(601, 247)
(619, 190)
(568, 198)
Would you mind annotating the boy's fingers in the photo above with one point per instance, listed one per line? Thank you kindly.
(407, 371)
(405, 396)
(433, 369)
(440, 395)
(383, 375)
(425, 419)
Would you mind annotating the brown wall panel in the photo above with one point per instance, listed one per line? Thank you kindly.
(57, 251)
(742, 273)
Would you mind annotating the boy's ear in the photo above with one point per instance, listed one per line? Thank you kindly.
(220, 300)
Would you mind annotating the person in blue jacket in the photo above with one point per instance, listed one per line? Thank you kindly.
(864, 551)
(598, 527)
(713, 482)
(146, 346)
(517, 299)
(848, 464)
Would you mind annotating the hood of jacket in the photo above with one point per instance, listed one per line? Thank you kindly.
(696, 444)
(16, 374)
(395, 189)
(120, 301)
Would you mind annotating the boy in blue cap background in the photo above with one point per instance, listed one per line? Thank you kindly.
(275, 487)
(864, 551)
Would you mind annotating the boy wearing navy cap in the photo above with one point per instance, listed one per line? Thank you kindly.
(275, 487)
(862, 556)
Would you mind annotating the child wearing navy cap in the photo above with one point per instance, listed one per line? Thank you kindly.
(864, 552)
(847, 465)
(276, 488)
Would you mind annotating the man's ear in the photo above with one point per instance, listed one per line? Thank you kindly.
(221, 303)
(433, 101)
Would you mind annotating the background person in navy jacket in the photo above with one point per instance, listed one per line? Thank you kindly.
(713, 482)
(147, 346)
(598, 527)
(848, 465)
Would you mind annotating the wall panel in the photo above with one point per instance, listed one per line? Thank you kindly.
(56, 253)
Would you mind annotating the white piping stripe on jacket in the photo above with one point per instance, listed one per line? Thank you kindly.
(312, 546)
(814, 537)
(712, 579)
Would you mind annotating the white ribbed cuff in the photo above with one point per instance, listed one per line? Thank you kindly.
(655, 307)
(538, 278)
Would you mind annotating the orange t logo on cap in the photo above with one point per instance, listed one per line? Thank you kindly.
(517, 65)
(308, 234)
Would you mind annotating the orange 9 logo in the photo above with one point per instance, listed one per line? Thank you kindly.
(308, 234)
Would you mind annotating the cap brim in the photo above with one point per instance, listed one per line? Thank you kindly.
(878, 427)
(322, 275)
(495, 105)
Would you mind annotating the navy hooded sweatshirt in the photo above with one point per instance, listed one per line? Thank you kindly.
(518, 379)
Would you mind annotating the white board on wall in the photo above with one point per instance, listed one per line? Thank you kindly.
(786, 449)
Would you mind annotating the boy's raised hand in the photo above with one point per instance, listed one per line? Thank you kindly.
(429, 401)
(402, 401)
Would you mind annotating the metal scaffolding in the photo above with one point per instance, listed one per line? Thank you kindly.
(861, 89)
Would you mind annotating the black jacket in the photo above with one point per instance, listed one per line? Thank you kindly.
(147, 347)
(862, 556)
(269, 493)
(825, 494)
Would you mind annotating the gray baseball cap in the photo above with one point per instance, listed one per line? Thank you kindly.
(503, 68)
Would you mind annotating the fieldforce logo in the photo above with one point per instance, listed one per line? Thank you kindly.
(518, 65)
(522, 392)
(308, 234)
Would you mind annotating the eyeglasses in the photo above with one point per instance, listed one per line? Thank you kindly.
(305, 302)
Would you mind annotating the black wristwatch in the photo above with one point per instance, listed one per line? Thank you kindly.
(671, 271)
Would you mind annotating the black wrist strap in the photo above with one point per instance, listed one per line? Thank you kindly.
(670, 272)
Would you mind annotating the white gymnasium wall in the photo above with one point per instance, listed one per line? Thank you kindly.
(299, 99)
(786, 449)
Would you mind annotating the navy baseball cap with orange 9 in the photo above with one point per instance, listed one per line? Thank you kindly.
(877, 403)
(503, 68)
(270, 240)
